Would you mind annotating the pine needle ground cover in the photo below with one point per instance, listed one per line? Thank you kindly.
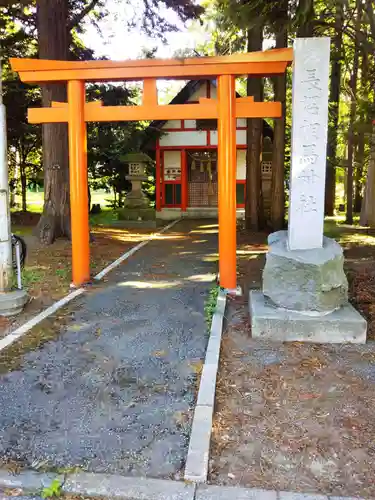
(297, 416)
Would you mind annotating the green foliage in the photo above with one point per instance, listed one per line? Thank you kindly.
(52, 491)
(62, 273)
(210, 304)
(29, 276)
(109, 143)
(32, 275)
(23, 139)
(104, 218)
(228, 22)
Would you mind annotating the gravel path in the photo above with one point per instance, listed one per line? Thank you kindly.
(114, 393)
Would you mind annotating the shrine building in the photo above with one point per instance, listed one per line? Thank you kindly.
(186, 161)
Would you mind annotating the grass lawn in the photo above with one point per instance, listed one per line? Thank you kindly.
(35, 200)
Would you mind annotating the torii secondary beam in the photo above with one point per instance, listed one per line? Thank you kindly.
(206, 109)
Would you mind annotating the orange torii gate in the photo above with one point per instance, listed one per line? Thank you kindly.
(76, 112)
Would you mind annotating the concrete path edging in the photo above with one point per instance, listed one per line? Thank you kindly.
(99, 485)
(26, 327)
(196, 469)
(29, 481)
(139, 488)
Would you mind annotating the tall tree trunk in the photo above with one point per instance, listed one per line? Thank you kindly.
(114, 197)
(305, 16)
(254, 210)
(359, 159)
(278, 149)
(368, 206)
(16, 177)
(12, 194)
(52, 21)
(23, 185)
(363, 220)
(367, 217)
(334, 102)
(360, 151)
(353, 106)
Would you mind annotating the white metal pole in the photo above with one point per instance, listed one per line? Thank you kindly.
(5, 229)
(18, 262)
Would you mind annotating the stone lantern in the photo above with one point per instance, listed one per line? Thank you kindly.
(138, 163)
(137, 208)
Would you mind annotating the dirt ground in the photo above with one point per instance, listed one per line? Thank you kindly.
(297, 416)
(47, 273)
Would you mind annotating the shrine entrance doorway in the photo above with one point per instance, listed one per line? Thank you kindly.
(202, 178)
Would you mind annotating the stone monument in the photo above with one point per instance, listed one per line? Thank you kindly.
(305, 290)
(137, 205)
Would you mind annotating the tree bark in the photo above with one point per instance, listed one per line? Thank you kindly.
(23, 186)
(369, 8)
(305, 14)
(367, 217)
(353, 107)
(359, 159)
(278, 148)
(363, 220)
(368, 205)
(254, 210)
(16, 177)
(52, 21)
(334, 102)
(114, 197)
(360, 151)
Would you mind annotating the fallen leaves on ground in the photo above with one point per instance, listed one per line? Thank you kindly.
(296, 416)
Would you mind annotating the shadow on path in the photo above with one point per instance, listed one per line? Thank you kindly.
(115, 391)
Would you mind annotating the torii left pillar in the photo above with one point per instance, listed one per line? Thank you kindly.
(79, 202)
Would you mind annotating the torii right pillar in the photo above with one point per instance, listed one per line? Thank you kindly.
(227, 181)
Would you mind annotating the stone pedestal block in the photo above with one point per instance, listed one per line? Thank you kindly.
(268, 322)
(136, 198)
(12, 303)
(305, 280)
(136, 214)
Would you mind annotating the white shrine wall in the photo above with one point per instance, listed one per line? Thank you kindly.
(172, 159)
(172, 162)
(241, 164)
(184, 138)
(171, 124)
(240, 137)
(178, 137)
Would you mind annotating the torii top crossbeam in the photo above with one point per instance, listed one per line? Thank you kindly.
(226, 108)
(270, 62)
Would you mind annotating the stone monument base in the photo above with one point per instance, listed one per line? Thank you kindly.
(13, 302)
(345, 325)
(305, 280)
(136, 214)
(137, 217)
